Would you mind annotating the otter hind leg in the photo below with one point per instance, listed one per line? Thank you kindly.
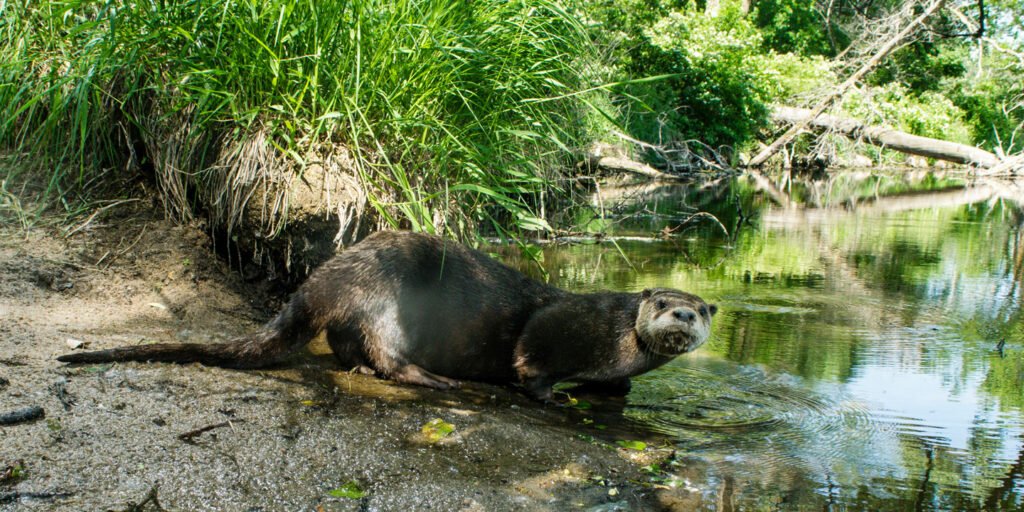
(412, 374)
(379, 351)
(346, 344)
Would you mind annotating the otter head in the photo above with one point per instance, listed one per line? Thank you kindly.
(671, 322)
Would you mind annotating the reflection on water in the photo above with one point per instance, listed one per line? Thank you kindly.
(855, 362)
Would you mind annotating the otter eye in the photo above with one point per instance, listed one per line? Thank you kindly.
(703, 311)
(660, 304)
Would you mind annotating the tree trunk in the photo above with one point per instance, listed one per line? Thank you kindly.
(888, 138)
(841, 89)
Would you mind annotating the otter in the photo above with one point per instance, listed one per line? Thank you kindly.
(420, 309)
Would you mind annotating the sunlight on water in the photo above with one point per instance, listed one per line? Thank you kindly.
(855, 362)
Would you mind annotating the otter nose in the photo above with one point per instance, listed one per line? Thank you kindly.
(684, 315)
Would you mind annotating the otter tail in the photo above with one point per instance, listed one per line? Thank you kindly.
(287, 333)
(211, 354)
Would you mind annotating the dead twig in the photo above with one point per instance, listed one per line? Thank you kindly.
(60, 390)
(150, 498)
(121, 252)
(70, 232)
(187, 436)
(22, 415)
(7, 497)
(667, 232)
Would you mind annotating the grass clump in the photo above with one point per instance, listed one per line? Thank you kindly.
(427, 111)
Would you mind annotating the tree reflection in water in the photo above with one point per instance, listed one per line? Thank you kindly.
(853, 362)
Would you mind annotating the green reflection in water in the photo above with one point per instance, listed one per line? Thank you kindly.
(853, 360)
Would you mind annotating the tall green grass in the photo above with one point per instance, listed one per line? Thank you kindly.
(433, 105)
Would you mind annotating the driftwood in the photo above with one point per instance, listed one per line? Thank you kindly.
(612, 163)
(1010, 165)
(888, 138)
(608, 157)
(884, 51)
(187, 436)
(22, 415)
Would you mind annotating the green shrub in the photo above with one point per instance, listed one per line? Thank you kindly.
(790, 79)
(929, 114)
(713, 94)
(796, 26)
(993, 103)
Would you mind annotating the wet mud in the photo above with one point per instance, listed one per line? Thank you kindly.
(304, 436)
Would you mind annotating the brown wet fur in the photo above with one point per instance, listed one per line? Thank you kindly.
(603, 339)
(420, 309)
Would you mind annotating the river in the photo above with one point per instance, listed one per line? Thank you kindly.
(867, 352)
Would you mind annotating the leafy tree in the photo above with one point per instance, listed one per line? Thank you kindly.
(713, 94)
(796, 26)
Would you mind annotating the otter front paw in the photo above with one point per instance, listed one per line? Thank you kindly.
(618, 387)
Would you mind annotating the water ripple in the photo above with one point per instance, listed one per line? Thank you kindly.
(770, 421)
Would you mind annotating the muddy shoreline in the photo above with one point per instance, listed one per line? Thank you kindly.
(279, 439)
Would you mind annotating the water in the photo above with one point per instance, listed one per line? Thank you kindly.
(854, 362)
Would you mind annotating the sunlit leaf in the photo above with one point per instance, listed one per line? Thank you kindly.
(437, 429)
(350, 490)
(632, 445)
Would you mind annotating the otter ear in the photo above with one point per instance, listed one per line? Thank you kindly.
(646, 293)
(713, 309)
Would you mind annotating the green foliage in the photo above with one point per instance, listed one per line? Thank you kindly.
(921, 66)
(993, 102)
(713, 95)
(693, 76)
(928, 113)
(795, 26)
(632, 445)
(627, 18)
(453, 114)
(787, 77)
(981, 82)
(438, 95)
(995, 116)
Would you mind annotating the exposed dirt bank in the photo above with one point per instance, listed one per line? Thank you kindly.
(282, 439)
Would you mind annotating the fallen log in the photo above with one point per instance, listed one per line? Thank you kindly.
(882, 52)
(1009, 165)
(888, 138)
